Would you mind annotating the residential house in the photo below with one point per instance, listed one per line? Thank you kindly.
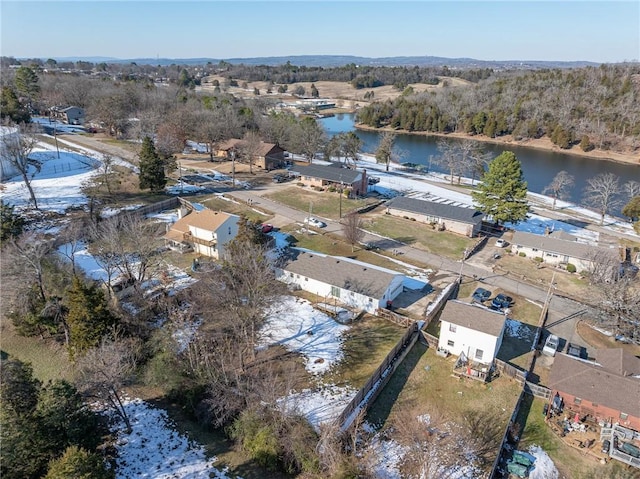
(473, 331)
(353, 283)
(607, 390)
(206, 232)
(559, 248)
(459, 219)
(72, 115)
(336, 175)
(268, 156)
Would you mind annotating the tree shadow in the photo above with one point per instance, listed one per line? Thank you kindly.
(379, 411)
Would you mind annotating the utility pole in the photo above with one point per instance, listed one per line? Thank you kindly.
(340, 192)
(233, 168)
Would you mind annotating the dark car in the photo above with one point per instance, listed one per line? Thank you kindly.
(480, 295)
(501, 301)
(606, 446)
(267, 228)
(574, 350)
(278, 178)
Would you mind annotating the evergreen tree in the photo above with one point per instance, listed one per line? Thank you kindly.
(503, 191)
(89, 318)
(314, 91)
(151, 167)
(10, 223)
(77, 463)
(26, 82)
(11, 107)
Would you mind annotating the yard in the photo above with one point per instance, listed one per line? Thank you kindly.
(418, 234)
(325, 204)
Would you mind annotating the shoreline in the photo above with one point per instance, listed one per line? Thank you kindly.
(543, 144)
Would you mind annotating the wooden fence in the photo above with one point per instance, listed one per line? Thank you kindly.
(450, 291)
(520, 375)
(477, 246)
(394, 317)
(378, 379)
(505, 437)
(537, 390)
(430, 340)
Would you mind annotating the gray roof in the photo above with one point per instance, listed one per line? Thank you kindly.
(329, 173)
(439, 210)
(550, 244)
(619, 361)
(596, 384)
(473, 317)
(341, 272)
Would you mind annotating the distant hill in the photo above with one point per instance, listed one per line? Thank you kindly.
(339, 60)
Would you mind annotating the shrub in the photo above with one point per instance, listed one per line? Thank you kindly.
(332, 189)
(300, 184)
(258, 438)
(571, 268)
(522, 254)
(538, 259)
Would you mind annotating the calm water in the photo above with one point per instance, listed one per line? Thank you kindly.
(539, 167)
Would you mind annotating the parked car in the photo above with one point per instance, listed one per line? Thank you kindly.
(501, 301)
(480, 295)
(606, 446)
(551, 345)
(500, 243)
(267, 228)
(278, 178)
(574, 350)
(311, 221)
(630, 449)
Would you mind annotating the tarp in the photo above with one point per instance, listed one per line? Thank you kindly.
(517, 469)
(523, 458)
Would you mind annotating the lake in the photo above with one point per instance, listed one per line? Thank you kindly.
(538, 166)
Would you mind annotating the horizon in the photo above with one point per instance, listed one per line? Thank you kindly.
(570, 31)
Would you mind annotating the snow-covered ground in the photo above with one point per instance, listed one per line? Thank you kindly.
(296, 325)
(155, 450)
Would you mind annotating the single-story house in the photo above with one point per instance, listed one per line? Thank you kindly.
(558, 248)
(607, 390)
(353, 283)
(206, 232)
(474, 331)
(461, 220)
(336, 175)
(72, 115)
(268, 156)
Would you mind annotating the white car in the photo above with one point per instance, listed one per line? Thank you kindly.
(500, 243)
(311, 221)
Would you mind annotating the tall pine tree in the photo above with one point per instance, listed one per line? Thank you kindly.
(151, 167)
(503, 191)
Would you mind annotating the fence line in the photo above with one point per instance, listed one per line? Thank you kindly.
(367, 394)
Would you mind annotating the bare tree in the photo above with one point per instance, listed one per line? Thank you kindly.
(603, 265)
(352, 229)
(29, 253)
(559, 186)
(601, 192)
(250, 148)
(385, 153)
(631, 188)
(450, 157)
(17, 148)
(106, 171)
(103, 371)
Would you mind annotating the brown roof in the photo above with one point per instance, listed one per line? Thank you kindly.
(350, 275)
(596, 384)
(263, 150)
(228, 144)
(618, 361)
(473, 317)
(206, 219)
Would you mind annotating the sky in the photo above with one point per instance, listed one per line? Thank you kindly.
(605, 31)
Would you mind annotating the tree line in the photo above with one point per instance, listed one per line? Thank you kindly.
(593, 107)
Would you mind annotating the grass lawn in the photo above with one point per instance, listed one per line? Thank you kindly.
(214, 202)
(419, 235)
(49, 360)
(570, 462)
(366, 344)
(336, 246)
(323, 203)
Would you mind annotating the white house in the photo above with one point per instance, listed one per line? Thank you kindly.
(560, 248)
(473, 330)
(206, 232)
(353, 283)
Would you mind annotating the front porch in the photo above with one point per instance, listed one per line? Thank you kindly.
(467, 368)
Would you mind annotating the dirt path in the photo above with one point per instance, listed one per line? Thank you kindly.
(101, 146)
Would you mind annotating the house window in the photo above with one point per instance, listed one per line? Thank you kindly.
(335, 291)
(452, 328)
(577, 400)
(624, 416)
(450, 343)
(479, 353)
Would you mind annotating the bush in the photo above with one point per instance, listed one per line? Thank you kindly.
(522, 254)
(258, 438)
(538, 259)
(571, 268)
(300, 184)
(332, 189)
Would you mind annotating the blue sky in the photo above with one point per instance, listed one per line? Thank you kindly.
(606, 31)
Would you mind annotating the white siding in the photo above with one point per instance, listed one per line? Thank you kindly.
(550, 257)
(469, 342)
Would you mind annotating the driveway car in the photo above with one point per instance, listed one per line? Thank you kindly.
(311, 221)
(574, 350)
(606, 446)
(480, 295)
(267, 228)
(501, 301)
(551, 345)
(500, 243)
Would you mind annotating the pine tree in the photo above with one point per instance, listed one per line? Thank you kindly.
(503, 191)
(151, 167)
(10, 223)
(89, 318)
(77, 463)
